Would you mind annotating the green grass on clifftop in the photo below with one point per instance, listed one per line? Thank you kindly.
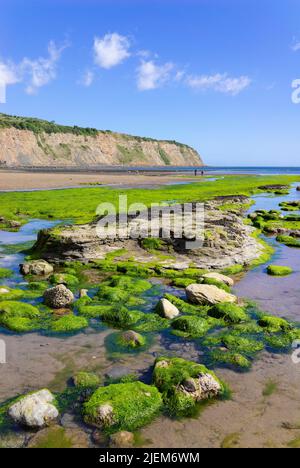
(80, 204)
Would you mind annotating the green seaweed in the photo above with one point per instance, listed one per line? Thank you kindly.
(134, 405)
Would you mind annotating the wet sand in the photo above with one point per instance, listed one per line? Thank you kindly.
(49, 180)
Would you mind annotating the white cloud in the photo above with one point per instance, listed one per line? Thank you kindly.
(42, 70)
(111, 50)
(8, 76)
(219, 82)
(152, 76)
(87, 78)
(296, 46)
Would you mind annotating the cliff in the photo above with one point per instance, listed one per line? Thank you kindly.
(34, 142)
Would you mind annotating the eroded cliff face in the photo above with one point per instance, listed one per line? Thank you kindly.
(27, 148)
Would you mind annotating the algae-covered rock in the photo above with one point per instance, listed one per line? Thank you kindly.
(68, 323)
(19, 316)
(59, 296)
(35, 410)
(208, 294)
(230, 358)
(275, 270)
(121, 317)
(274, 324)
(36, 267)
(59, 437)
(288, 240)
(122, 288)
(191, 325)
(131, 339)
(184, 383)
(166, 309)
(86, 380)
(219, 277)
(64, 278)
(229, 312)
(123, 407)
(5, 273)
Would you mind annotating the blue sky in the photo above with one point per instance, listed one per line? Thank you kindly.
(215, 74)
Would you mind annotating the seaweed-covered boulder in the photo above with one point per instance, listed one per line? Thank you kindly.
(59, 296)
(184, 383)
(190, 326)
(229, 312)
(276, 270)
(19, 316)
(166, 309)
(86, 380)
(36, 267)
(64, 278)
(122, 439)
(131, 339)
(208, 294)
(123, 407)
(219, 277)
(35, 410)
(274, 324)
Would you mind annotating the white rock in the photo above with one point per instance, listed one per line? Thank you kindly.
(105, 414)
(219, 277)
(35, 410)
(207, 294)
(166, 309)
(4, 290)
(83, 293)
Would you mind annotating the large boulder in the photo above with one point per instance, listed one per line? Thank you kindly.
(58, 297)
(35, 410)
(36, 267)
(166, 309)
(219, 277)
(206, 294)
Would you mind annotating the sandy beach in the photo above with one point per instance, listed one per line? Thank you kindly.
(18, 180)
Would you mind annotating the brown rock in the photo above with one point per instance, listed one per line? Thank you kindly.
(122, 439)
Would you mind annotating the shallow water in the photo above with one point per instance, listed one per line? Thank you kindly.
(35, 361)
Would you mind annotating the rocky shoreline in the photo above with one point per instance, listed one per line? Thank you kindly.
(227, 240)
